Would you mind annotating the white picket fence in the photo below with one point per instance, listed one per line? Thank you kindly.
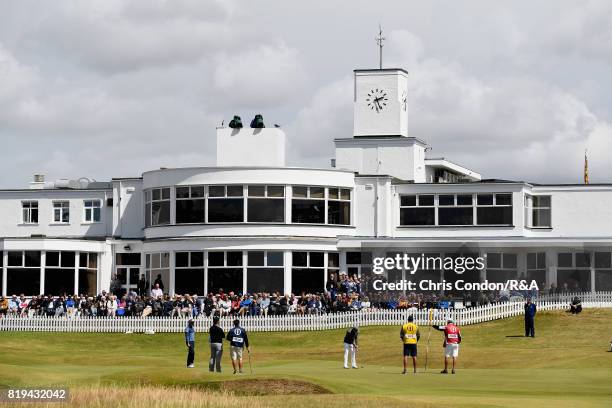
(370, 317)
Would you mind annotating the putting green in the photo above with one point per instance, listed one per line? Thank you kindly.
(567, 364)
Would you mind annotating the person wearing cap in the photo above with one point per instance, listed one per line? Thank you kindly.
(452, 338)
(351, 346)
(216, 336)
(410, 335)
(238, 339)
(190, 342)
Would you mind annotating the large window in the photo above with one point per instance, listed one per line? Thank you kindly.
(536, 268)
(225, 204)
(494, 209)
(339, 206)
(190, 204)
(92, 210)
(29, 212)
(538, 211)
(59, 273)
(265, 272)
(225, 272)
(456, 209)
(157, 206)
(266, 204)
(158, 270)
(308, 205)
(189, 273)
(501, 267)
(417, 210)
(574, 271)
(603, 271)
(88, 273)
(308, 272)
(23, 273)
(61, 212)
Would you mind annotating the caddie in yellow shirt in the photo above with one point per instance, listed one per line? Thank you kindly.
(410, 335)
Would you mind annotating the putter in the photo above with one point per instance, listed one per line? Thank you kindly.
(250, 366)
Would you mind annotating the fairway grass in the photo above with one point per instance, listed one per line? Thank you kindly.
(566, 365)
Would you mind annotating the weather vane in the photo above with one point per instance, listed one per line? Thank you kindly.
(379, 40)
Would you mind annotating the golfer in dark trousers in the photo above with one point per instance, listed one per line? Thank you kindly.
(216, 345)
(190, 341)
(530, 312)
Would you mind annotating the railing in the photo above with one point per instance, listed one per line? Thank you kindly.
(369, 317)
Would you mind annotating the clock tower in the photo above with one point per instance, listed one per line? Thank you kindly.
(380, 106)
(380, 145)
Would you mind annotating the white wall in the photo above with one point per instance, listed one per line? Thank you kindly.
(392, 120)
(128, 215)
(11, 213)
(577, 211)
(251, 147)
(398, 157)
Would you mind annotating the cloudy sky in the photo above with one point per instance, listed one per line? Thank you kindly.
(513, 89)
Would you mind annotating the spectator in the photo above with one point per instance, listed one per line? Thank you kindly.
(142, 286)
(576, 305)
(13, 305)
(158, 282)
(70, 306)
(111, 306)
(264, 305)
(4, 306)
(157, 291)
(121, 306)
(224, 306)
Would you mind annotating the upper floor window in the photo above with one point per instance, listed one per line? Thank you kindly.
(190, 204)
(538, 211)
(339, 206)
(92, 210)
(456, 209)
(61, 212)
(494, 209)
(29, 212)
(308, 205)
(225, 204)
(157, 206)
(266, 204)
(417, 210)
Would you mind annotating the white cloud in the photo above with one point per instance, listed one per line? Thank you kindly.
(266, 74)
(115, 88)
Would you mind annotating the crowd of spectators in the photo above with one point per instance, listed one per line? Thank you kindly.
(342, 294)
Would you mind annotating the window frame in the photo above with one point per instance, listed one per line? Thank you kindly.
(149, 200)
(29, 211)
(204, 198)
(225, 197)
(92, 208)
(436, 206)
(62, 210)
(529, 209)
(266, 196)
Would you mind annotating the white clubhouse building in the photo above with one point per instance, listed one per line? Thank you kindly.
(254, 224)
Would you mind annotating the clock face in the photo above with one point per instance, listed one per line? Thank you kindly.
(377, 99)
(404, 101)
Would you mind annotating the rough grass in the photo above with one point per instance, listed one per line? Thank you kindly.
(566, 365)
